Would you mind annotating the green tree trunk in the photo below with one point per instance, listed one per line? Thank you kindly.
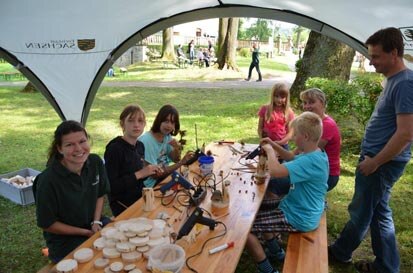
(323, 57)
(226, 54)
(168, 50)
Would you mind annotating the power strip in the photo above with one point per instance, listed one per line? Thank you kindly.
(198, 196)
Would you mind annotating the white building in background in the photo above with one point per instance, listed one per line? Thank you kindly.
(204, 28)
(199, 31)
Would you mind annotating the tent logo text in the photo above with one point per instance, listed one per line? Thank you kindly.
(86, 44)
(53, 44)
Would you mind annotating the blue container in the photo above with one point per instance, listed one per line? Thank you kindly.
(206, 164)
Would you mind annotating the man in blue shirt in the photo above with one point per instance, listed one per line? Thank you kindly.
(385, 151)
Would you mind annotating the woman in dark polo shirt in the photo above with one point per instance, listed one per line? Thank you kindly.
(69, 193)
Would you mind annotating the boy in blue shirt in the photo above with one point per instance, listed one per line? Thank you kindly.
(302, 208)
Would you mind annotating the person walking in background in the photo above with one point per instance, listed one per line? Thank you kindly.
(69, 193)
(124, 161)
(255, 62)
(385, 151)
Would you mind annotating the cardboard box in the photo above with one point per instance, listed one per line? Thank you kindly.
(22, 196)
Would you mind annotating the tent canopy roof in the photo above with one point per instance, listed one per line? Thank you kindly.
(65, 47)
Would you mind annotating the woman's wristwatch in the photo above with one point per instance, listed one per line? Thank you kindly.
(96, 222)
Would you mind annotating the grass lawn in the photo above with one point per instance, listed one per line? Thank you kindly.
(155, 71)
(27, 123)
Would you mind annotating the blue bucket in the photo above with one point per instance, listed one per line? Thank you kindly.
(206, 164)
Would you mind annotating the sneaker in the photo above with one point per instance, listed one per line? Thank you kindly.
(279, 256)
(247, 79)
(334, 259)
(259, 80)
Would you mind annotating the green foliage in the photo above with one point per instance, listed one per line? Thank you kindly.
(369, 88)
(356, 98)
(300, 35)
(260, 30)
(244, 52)
(298, 64)
(241, 32)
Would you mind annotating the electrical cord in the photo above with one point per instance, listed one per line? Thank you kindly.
(203, 246)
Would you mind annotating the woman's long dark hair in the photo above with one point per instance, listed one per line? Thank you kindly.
(66, 127)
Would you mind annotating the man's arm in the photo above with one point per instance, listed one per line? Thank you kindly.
(396, 144)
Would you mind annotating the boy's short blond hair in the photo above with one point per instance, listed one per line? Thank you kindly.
(314, 94)
(308, 123)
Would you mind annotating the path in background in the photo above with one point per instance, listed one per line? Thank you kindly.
(288, 78)
(228, 84)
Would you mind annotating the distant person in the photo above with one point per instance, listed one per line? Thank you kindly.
(70, 192)
(385, 151)
(191, 51)
(160, 147)
(111, 72)
(125, 163)
(205, 52)
(180, 53)
(301, 209)
(212, 55)
(210, 46)
(255, 62)
(200, 57)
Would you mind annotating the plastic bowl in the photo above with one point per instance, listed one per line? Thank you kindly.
(167, 257)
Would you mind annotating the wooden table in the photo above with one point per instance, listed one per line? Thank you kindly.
(245, 199)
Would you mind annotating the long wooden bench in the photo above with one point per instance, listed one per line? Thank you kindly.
(307, 252)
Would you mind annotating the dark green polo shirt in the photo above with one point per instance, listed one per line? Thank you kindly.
(256, 55)
(68, 198)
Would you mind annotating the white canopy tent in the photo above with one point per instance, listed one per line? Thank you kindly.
(65, 47)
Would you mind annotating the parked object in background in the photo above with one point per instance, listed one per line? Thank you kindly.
(18, 186)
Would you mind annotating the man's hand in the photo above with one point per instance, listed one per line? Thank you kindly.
(367, 166)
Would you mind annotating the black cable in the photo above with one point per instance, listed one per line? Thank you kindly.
(175, 193)
(184, 193)
(203, 246)
(245, 164)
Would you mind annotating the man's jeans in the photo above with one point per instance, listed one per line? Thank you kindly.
(370, 208)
